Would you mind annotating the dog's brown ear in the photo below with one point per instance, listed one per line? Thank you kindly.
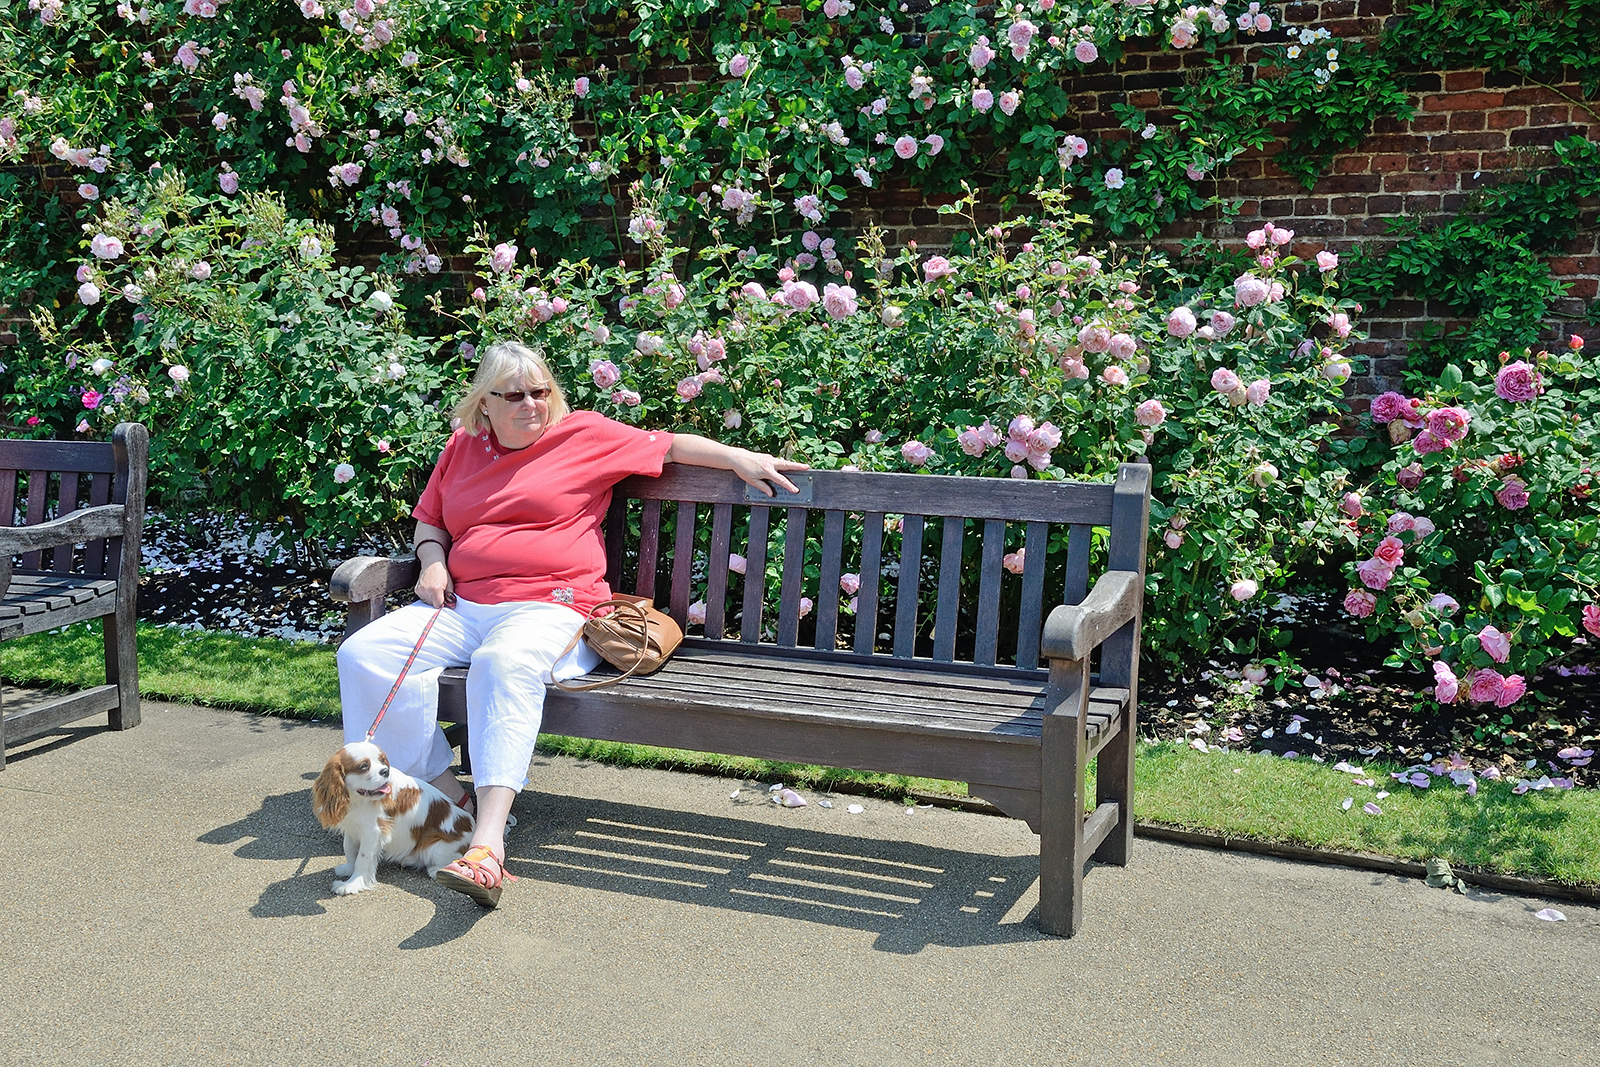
(330, 797)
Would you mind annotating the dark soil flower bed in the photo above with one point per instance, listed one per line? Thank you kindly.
(1339, 703)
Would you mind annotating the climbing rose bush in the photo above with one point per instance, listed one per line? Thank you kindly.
(1479, 536)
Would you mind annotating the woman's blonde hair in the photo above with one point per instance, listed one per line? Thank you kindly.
(504, 365)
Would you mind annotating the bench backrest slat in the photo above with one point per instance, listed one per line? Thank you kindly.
(649, 548)
(832, 566)
(949, 595)
(791, 586)
(987, 624)
(966, 608)
(910, 579)
(38, 495)
(717, 570)
(60, 558)
(682, 557)
(755, 575)
(871, 580)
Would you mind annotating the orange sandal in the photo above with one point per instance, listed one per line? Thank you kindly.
(473, 875)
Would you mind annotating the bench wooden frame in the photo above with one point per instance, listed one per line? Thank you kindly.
(76, 563)
(1019, 733)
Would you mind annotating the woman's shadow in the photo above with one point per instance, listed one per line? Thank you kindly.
(283, 828)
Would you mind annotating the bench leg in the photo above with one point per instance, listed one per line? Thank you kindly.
(1113, 779)
(122, 667)
(1061, 800)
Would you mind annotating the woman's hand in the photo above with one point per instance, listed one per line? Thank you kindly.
(758, 469)
(435, 587)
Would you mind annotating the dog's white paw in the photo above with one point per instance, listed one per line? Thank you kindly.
(344, 870)
(351, 885)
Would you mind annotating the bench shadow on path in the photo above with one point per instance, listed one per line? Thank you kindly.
(910, 895)
(283, 828)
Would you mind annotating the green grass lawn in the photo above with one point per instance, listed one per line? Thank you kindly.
(1547, 834)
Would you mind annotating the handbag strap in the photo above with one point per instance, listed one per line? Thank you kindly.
(617, 605)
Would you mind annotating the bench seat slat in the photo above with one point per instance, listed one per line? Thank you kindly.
(40, 602)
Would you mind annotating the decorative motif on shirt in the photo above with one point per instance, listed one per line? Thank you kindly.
(563, 596)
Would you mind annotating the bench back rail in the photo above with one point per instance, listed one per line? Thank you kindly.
(43, 480)
(914, 541)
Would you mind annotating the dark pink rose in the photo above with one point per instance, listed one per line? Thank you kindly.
(1512, 494)
(1486, 687)
(1409, 476)
(1591, 618)
(1375, 573)
(1428, 441)
(1517, 382)
(1511, 692)
(1449, 424)
(1360, 603)
(1387, 407)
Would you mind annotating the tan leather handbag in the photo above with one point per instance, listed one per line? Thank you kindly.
(630, 633)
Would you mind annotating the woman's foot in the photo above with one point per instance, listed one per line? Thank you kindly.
(480, 874)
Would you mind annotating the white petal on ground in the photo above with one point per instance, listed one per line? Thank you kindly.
(855, 809)
(733, 795)
(825, 803)
(1371, 808)
(1346, 802)
(1550, 915)
(790, 799)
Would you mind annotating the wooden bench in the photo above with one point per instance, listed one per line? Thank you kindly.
(968, 680)
(72, 513)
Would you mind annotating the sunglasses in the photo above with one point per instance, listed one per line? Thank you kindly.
(517, 396)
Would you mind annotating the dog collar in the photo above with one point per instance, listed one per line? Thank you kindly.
(375, 792)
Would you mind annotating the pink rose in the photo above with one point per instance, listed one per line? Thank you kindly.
(690, 387)
(799, 295)
(1350, 504)
(1517, 382)
(850, 584)
(1374, 573)
(915, 453)
(1181, 322)
(1512, 494)
(605, 373)
(1123, 346)
(1486, 687)
(1086, 52)
(839, 300)
(1340, 323)
(1224, 380)
(1114, 375)
(1495, 643)
(1386, 407)
(1248, 290)
(1256, 392)
(1015, 562)
(1511, 691)
(1444, 602)
(982, 99)
(503, 257)
(736, 563)
(1391, 550)
(1009, 101)
(1591, 618)
(738, 65)
(905, 146)
(697, 613)
(91, 399)
(1243, 589)
(1327, 261)
(627, 398)
(1446, 686)
(580, 88)
(229, 182)
(1150, 413)
(937, 267)
(1428, 441)
(1409, 476)
(1449, 423)
(1360, 603)
(1173, 538)
(1222, 322)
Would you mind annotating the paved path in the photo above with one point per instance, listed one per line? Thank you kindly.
(165, 900)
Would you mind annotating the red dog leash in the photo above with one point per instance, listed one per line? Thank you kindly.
(415, 650)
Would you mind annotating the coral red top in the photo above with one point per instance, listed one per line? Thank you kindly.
(525, 524)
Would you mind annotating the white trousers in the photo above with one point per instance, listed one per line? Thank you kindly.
(509, 650)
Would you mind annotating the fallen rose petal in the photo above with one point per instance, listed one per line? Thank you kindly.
(1380, 794)
(1347, 768)
(1267, 732)
(1371, 809)
(1550, 915)
(1291, 754)
(855, 809)
(1198, 745)
(1293, 728)
(734, 795)
(1364, 781)
(1346, 802)
(825, 803)
(790, 799)
(1520, 788)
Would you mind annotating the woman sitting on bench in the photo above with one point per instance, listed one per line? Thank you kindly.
(509, 537)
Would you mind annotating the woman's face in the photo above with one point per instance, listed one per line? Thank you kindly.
(518, 411)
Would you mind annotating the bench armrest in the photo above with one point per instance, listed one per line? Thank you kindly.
(364, 578)
(1074, 630)
(88, 524)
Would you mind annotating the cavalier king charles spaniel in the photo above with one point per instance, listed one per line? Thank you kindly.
(385, 815)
